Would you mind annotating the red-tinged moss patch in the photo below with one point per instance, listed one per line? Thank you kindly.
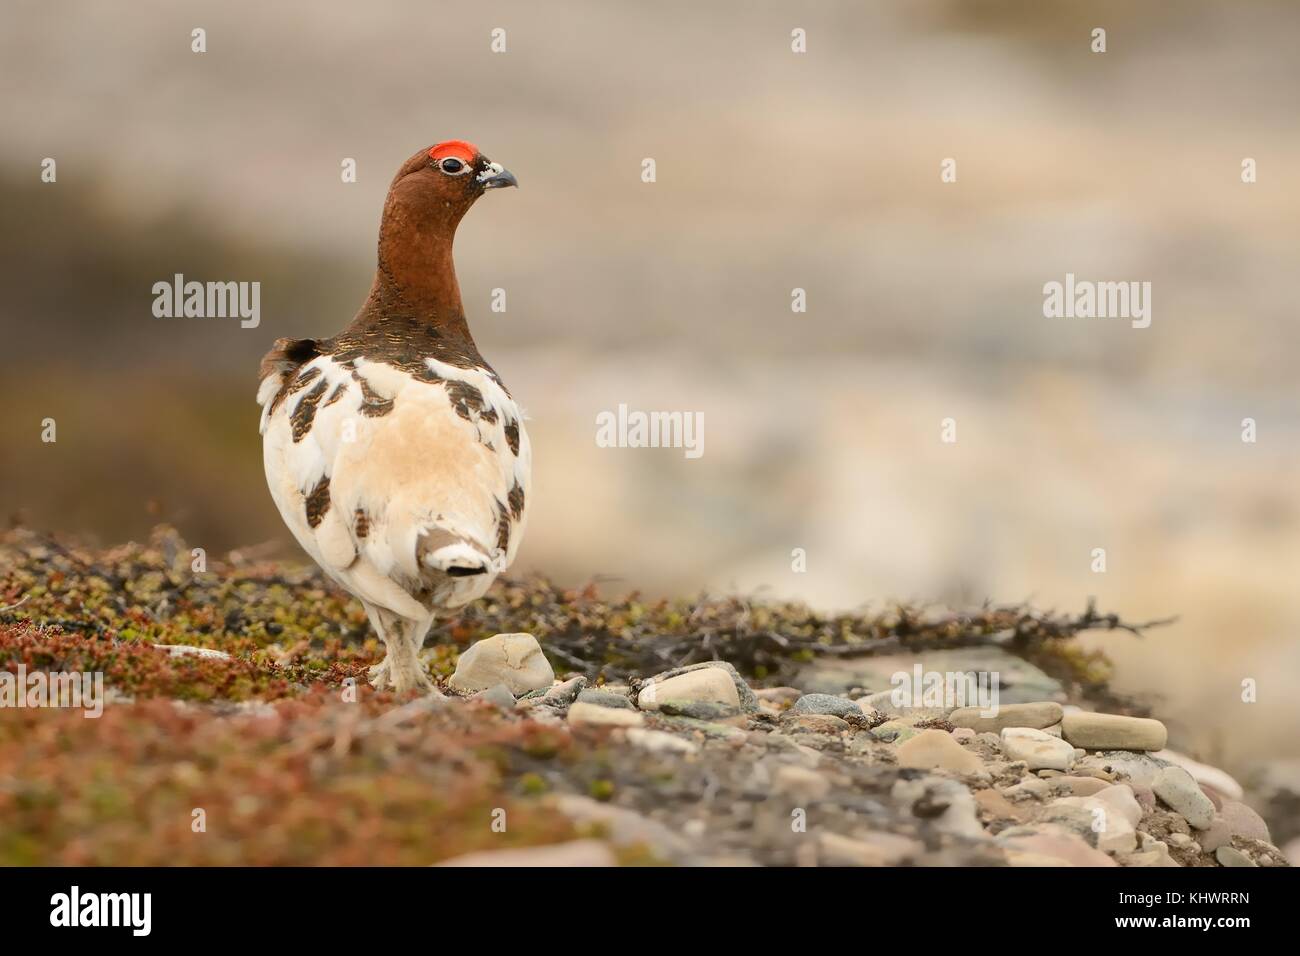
(139, 670)
(304, 782)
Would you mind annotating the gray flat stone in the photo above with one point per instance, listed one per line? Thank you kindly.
(1113, 732)
(498, 694)
(826, 704)
(604, 698)
(1020, 681)
(1038, 715)
(699, 709)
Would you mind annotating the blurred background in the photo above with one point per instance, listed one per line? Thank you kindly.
(775, 171)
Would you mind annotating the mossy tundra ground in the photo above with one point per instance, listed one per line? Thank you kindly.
(277, 751)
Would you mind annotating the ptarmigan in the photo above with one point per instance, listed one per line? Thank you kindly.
(395, 454)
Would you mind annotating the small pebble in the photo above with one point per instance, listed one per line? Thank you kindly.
(698, 709)
(708, 684)
(826, 704)
(498, 695)
(581, 713)
(1231, 856)
(1137, 769)
(1040, 846)
(742, 695)
(1038, 750)
(800, 783)
(1120, 797)
(604, 698)
(1235, 819)
(1113, 732)
(1080, 786)
(935, 749)
(778, 695)
(562, 695)
(947, 804)
(998, 807)
(883, 702)
(660, 742)
(1204, 774)
(817, 724)
(1082, 816)
(875, 849)
(1035, 716)
(1176, 788)
(893, 731)
(515, 660)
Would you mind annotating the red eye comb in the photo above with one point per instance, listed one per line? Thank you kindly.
(462, 150)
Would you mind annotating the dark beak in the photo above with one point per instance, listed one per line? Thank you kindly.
(500, 180)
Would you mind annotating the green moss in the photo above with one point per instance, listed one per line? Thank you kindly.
(532, 784)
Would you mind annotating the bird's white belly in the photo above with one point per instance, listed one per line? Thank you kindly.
(365, 462)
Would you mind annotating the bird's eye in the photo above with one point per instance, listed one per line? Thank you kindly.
(452, 166)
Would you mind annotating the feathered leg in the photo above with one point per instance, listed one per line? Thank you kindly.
(418, 632)
(400, 669)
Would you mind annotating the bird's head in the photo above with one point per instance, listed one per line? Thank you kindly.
(436, 186)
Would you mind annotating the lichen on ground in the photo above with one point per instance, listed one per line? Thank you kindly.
(292, 758)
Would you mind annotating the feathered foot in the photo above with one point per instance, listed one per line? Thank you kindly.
(400, 670)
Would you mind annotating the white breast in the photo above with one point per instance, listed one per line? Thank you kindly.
(366, 461)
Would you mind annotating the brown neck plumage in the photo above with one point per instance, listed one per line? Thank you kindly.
(415, 279)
